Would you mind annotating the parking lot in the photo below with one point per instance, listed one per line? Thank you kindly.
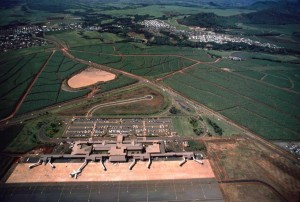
(99, 127)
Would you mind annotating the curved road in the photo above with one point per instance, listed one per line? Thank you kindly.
(200, 107)
(121, 102)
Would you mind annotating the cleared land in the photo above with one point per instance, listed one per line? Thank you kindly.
(160, 170)
(270, 111)
(240, 163)
(89, 77)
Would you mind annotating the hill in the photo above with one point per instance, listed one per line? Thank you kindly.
(287, 14)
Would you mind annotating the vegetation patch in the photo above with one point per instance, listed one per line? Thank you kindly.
(15, 76)
(196, 145)
(8, 134)
(269, 111)
(30, 136)
(211, 20)
(156, 105)
(47, 89)
(216, 127)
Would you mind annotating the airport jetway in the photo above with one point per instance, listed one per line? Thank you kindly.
(117, 151)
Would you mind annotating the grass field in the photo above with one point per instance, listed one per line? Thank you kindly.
(125, 49)
(16, 14)
(28, 137)
(160, 10)
(76, 38)
(120, 81)
(15, 76)
(152, 65)
(158, 104)
(153, 61)
(182, 126)
(47, 89)
(269, 111)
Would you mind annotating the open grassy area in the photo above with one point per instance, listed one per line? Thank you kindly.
(148, 107)
(269, 111)
(158, 104)
(76, 38)
(182, 126)
(28, 137)
(160, 10)
(17, 14)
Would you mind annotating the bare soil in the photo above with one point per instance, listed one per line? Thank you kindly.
(239, 158)
(89, 77)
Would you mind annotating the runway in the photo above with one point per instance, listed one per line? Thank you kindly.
(163, 190)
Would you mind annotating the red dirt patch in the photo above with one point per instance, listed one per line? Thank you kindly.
(89, 77)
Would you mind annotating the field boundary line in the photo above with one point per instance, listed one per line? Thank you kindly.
(143, 55)
(248, 132)
(255, 80)
(21, 100)
(254, 100)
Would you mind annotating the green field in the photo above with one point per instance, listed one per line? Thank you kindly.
(120, 81)
(160, 10)
(16, 14)
(74, 38)
(276, 70)
(138, 49)
(28, 137)
(16, 75)
(152, 65)
(269, 111)
(152, 61)
(182, 126)
(47, 89)
(83, 38)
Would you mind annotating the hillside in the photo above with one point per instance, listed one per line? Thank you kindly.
(287, 14)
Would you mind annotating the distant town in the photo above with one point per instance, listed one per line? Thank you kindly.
(19, 37)
(26, 36)
(197, 34)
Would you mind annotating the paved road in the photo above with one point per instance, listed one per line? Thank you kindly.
(199, 107)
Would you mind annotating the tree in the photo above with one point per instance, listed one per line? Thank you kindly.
(173, 110)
